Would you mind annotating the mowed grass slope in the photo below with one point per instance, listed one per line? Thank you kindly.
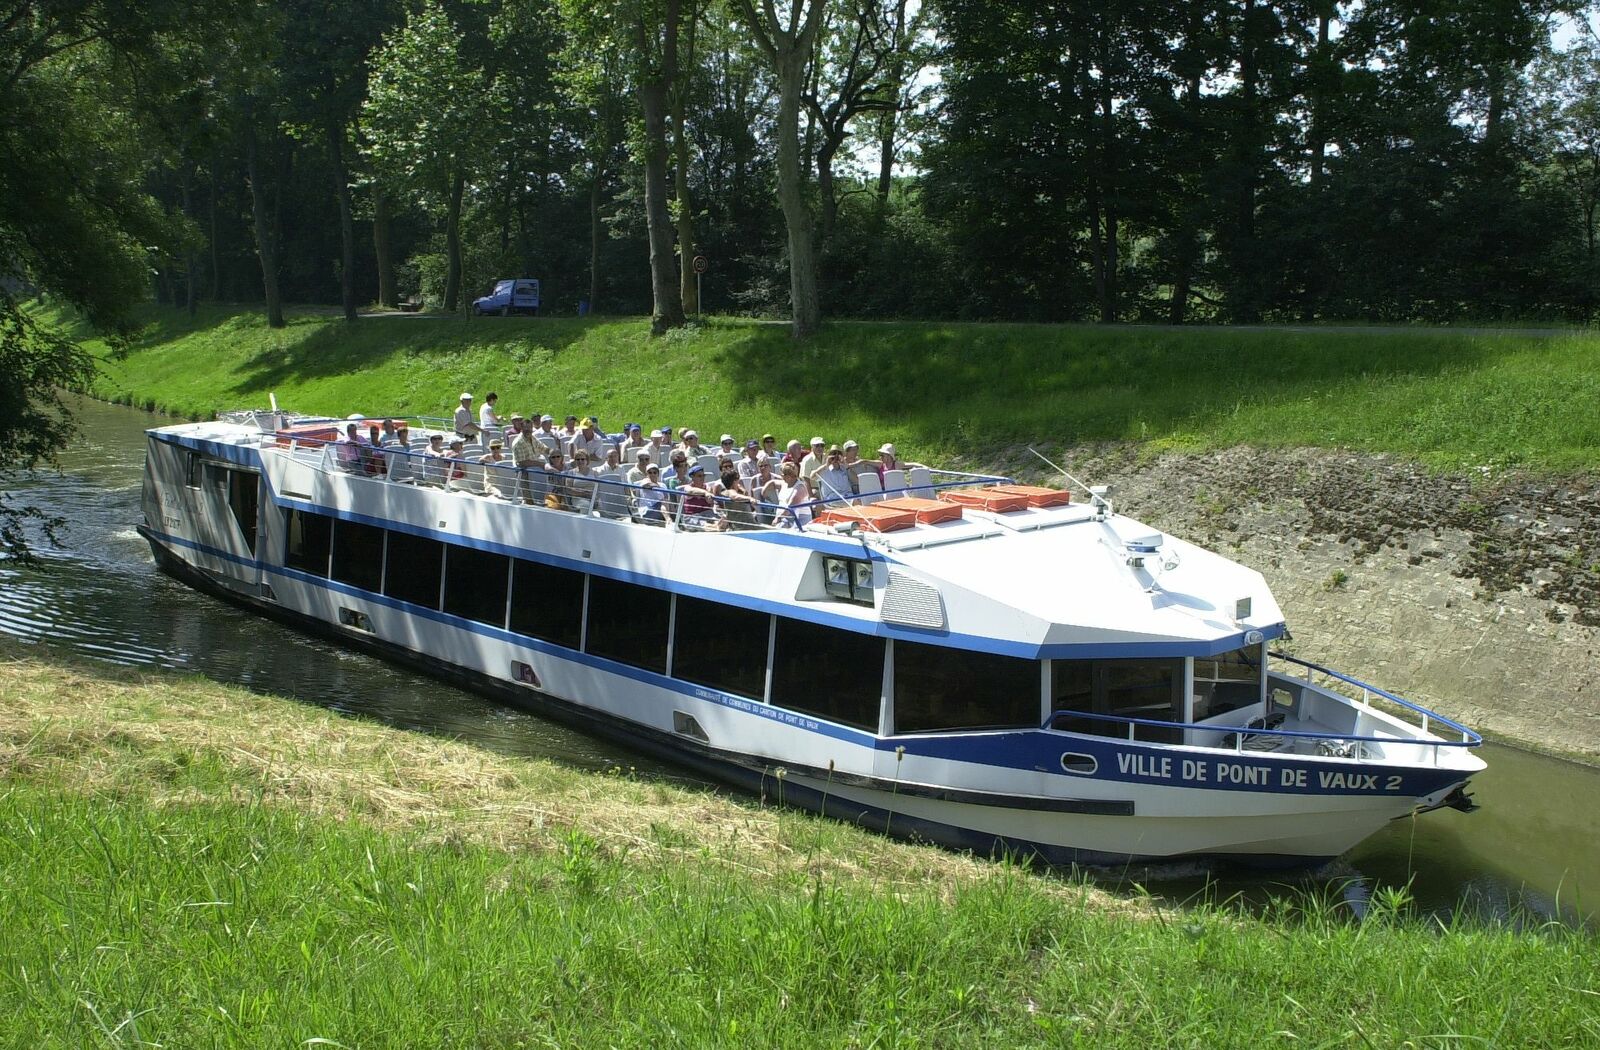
(1446, 399)
(188, 864)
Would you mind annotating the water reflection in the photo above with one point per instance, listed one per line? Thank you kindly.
(1529, 853)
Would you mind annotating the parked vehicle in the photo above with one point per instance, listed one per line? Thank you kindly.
(510, 297)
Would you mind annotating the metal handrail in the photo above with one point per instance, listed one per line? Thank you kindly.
(1469, 737)
(1244, 731)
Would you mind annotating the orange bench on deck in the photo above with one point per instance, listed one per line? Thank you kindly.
(991, 499)
(874, 517)
(928, 511)
(308, 434)
(1038, 495)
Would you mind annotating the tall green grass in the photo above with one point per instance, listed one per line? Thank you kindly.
(1447, 399)
(252, 925)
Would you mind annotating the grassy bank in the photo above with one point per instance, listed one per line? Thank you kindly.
(189, 864)
(1448, 399)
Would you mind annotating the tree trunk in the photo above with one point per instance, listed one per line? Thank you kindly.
(594, 240)
(687, 291)
(191, 258)
(380, 249)
(803, 297)
(1244, 295)
(889, 120)
(216, 250)
(266, 247)
(347, 230)
(1109, 294)
(452, 244)
(828, 216)
(666, 302)
(688, 287)
(1317, 131)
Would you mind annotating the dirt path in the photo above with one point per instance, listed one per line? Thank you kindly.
(1476, 595)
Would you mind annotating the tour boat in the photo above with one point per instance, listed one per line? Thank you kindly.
(955, 659)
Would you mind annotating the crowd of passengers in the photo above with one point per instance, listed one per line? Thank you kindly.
(528, 458)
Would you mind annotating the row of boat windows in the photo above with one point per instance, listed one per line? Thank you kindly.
(822, 671)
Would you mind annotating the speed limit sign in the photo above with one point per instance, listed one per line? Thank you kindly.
(699, 264)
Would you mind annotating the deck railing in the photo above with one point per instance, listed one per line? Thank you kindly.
(1241, 733)
(605, 496)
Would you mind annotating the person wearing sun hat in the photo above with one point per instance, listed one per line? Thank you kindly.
(466, 427)
(589, 440)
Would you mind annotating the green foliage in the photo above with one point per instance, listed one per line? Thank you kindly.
(935, 389)
(239, 924)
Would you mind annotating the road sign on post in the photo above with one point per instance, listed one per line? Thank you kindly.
(699, 266)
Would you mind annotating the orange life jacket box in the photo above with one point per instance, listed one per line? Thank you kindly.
(309, 434)
(991, 499)
(928, 511)
(874, 517)
(1038, 495)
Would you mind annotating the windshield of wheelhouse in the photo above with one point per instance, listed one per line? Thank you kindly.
(1099, 696)
(1229, 681)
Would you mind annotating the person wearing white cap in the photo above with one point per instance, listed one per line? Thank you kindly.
(660, 448)
(814, 461)
(466, 429)
(854, 465)
(548, 439)
(691, 445)
(726, 449)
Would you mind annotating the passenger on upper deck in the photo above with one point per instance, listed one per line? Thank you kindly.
(660, 448)
(697, 508)
(589, 441)
(632, 441)
(814, 461)
(796, 452)
(455, 474)
(354, 452)
(649, 502)
(493, 473)
(749, 462)
(643, 459)
(549, 440)
(388, 436)
(725, 447)
(488, 418)
(735, 506)
(833, 481)
(692, 446)
(854, 465)
(466, 429)
(769, 445)
(527, 455)
(555, 471)
(568, 431)
(579, 489)
(888, 460)
(791, 495)
(765, 487)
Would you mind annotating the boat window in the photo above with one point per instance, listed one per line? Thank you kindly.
(358, 555)
(628, 623)
(1227, 682)
(243, 490)
(547, 602)
(193, 467)
(308, 537)
(827, 672)
(412, 573)
(475, 584)
(721, 645)
(1147, 689)
(937, 688)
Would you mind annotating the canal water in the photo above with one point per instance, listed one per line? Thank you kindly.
(1531, 853)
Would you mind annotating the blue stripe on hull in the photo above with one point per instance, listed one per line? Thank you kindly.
(752, 774)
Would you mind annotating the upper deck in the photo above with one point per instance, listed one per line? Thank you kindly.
(959, 566)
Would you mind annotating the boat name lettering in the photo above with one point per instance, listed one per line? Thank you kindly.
(777, 714)
(1245, 774)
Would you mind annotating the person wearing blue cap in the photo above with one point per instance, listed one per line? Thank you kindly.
(632, 441)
